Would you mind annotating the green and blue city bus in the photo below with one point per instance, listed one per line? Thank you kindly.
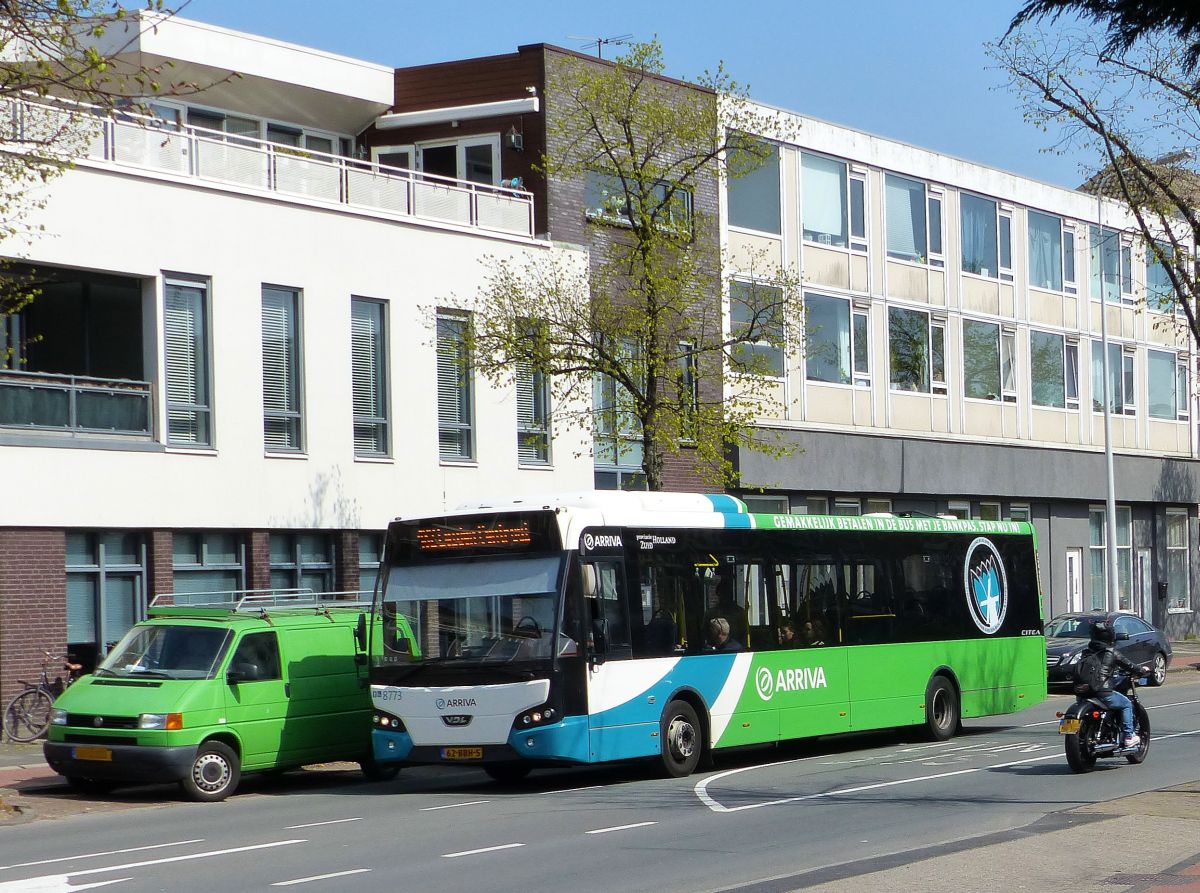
(607, 626)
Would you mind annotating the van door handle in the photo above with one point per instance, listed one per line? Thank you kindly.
(287, 689)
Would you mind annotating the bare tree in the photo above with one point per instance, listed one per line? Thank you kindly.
(1139, 112)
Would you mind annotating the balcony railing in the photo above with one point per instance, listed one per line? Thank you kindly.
(153, 144)
(74, 403)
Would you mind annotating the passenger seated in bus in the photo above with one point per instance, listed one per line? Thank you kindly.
(787, 635)
(662, 633)
(812, 634)
(728, 609)
(719, 638)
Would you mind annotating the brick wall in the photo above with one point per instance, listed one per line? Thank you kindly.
(33, 603)
(258, 557)
(345, 561)
(161, 572)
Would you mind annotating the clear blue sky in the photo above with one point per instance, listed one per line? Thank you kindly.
(913, 71)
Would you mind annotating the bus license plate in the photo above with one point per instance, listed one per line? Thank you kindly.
(462, 753)
(102, 754)
(1069, 726)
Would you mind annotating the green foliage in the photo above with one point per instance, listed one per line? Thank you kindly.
(634, 339)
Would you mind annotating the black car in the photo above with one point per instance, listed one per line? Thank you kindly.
(1137, 640)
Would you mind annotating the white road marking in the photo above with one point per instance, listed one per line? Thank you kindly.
(1054, 722)
(134, 849)
(319, 824)
(205, 855)
(54, 883)
(452, 805)
(486, 849)
(319, 877)
(620, 827)
(590, 787)
(701, 789)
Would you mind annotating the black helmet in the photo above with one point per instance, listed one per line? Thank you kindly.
(1102, 630)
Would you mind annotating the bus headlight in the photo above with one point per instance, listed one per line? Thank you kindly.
(386, 722)
(58, 717)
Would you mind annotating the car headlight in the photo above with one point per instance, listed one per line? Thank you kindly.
(1074, 658)
(58, 717)
(166, 721)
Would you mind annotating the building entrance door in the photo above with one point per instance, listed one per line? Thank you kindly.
(1074, 581)
(1143, 604)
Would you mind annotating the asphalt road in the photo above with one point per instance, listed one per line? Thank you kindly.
(763, 821)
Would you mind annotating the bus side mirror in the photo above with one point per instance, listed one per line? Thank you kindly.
(360, 632)
(599, 640)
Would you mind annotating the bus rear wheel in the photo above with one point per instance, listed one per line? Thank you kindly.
(942, 712)
(682, 739)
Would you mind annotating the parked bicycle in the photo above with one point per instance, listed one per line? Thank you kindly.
(27, 714)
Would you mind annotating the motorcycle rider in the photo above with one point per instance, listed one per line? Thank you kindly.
(1103, 645)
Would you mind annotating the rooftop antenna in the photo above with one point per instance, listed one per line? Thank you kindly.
(600, 42)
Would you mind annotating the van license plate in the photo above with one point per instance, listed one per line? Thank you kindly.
(1069, 726)
(102, 754)
(462, 753)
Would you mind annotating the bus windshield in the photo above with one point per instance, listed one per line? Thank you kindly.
(487, 610)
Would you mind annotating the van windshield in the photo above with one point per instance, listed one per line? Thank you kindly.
(167, 652)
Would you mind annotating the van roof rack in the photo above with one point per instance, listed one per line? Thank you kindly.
(258, 601)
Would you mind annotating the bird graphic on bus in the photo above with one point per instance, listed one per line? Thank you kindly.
(985, 586)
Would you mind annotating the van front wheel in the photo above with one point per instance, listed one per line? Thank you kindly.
(214, 773)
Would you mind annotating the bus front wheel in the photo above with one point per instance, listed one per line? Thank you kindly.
(682, 739)
(942, 713)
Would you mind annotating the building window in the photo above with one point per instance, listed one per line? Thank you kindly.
(475, 159)
(982, 250)
(1160, 292)
(824, 182)
(959, 508)
(1053, 371)
(1122, 396)
(879, 506)
(827, 339)
(688, 383)
(301, 561)
(1178, 591)
(207, 562)
(1068, 237)
(909, 349)
(1045, 251)
(606, 200)
(618, 447)
(456, 410)
(847, 506)
(1099, 567)
(1167, 384)
(106, 585)
(283, 384)
(1019, 512)
(533, 415)
(756, 317)
(989, 511)
(185, 333)
(370, 557)
(1112, 266)
(368, 371)
(813, 505)
(767, 505)
(981, 360)
(937, 351)
(753, 190)
(1005, 222)
(858, 211)
(914, 221)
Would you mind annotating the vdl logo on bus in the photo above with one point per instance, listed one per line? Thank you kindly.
(986, 585)
(791, 679)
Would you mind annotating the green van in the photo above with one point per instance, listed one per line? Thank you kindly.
(199, 694)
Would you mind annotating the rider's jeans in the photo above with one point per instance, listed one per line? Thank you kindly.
(1114, 700)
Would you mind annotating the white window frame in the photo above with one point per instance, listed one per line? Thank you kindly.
(460, 154)
(810, 502)
(878, 506)
(460, 424)
(533, 416)
(1004, 241)
(989, 511)
(1020, 511)
(846, 203)
(370, 411)
(1070, 273)
(378, 151)
(288, 408)
(1185, 604)
(850, 506)
(197, 371)
(959, 508)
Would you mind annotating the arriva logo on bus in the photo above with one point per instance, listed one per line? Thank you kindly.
(791, 679)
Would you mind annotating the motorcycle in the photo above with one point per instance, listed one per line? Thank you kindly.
(1093, 731)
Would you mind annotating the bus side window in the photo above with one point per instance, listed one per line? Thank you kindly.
(662, 610)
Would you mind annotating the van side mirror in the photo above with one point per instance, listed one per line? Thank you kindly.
(233, 677)
(360, 632)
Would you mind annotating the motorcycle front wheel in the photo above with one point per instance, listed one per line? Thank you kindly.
(1142, 727)
(1080, 755)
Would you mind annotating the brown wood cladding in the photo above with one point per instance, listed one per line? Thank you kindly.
(468, 81)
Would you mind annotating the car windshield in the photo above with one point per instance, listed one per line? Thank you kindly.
(1070, 628)
(486, 611)
(167, 652)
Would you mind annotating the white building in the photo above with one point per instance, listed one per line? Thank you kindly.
(242, 364)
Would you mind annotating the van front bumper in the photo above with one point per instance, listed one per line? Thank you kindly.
(131, 763)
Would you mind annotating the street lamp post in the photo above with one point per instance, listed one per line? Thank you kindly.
(1112, 598)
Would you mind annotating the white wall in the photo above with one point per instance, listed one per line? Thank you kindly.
(135, 226)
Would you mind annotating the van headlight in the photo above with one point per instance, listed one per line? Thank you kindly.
(58, 717)
(165, 721)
